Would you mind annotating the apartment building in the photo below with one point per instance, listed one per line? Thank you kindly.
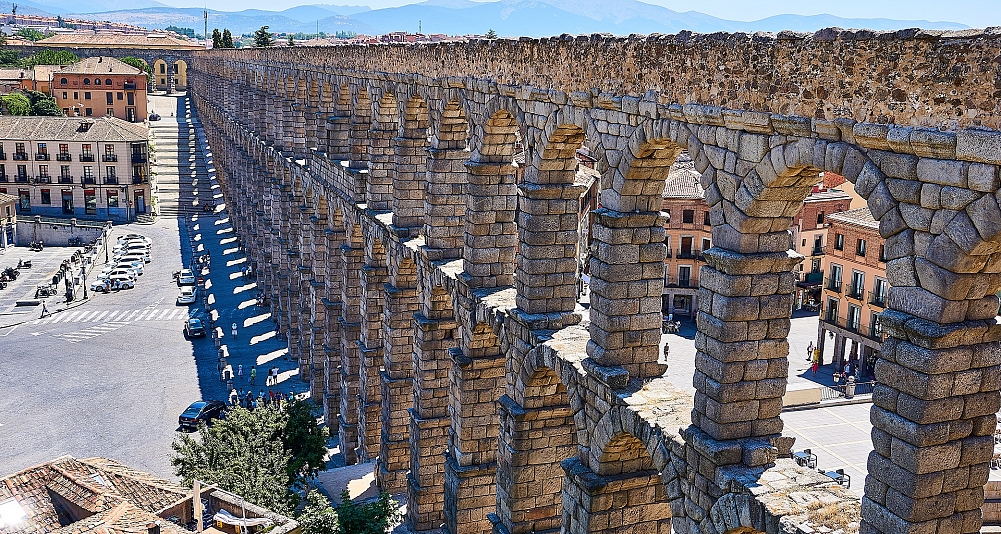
(8, 220)
(76, 167)
(101, 86)
(855, 289)
(689, 234)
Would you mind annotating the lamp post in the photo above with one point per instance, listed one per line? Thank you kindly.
(83, 272)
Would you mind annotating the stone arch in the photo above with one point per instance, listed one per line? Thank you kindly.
(180, 74)
(638, 181)
(160, 74)
(452, 131)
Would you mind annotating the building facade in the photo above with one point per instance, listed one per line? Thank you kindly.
(855, 290)
(8, 220)
(809, 238)
(101, 86)
(76, 167)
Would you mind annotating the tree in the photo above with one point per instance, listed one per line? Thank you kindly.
(227, 38)
(16, 104)
(43, 104)
(319, 517)
(304, 440)
(344, 34)
(9, 57)
(190, 32)
(216, 38)
(31, 34)
(49, 57)
(291, 41)
(263, 38)
(491, 34)
(141, 65)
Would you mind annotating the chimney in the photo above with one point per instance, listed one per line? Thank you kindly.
(153, 527)
(100, 59)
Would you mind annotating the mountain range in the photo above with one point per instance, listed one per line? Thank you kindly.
(513, 18)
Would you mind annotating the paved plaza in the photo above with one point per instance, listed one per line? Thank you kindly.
(110, 375)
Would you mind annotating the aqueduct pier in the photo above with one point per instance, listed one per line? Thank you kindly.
(429, 295)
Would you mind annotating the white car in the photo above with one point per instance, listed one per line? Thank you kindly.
(136, 266)
(100, 285)
(188, 295)
(133, 256)
(134, 237)
(119, 272)
(122, 282)
(186, 278)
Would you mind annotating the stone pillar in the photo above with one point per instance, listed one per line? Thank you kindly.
(434, 337)
(490, 237)
(397, 374)
(317, 355)
(615, 502)
(338, 144)
(444, 199)
(627, 284)
(352, 256)
(409, 173)
(379, 186)
(373, 289)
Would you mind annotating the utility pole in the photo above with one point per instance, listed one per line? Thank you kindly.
(205, 14)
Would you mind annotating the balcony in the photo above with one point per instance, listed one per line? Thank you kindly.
(21, 178)
(20, 156)
(86, 157)
(855, 292)
(64, 157)
(877, 299)
(3, 156)
(818, 251)
(138, 158)
(111, 180)
(130, 86)
(42, 157)
(109, 158)
(3, 178)
(43, 179)
(89, 180)
(139, 180)
(693, 254)
(832, 284)
(676, 282)
(816, 277)
(65, 179)
(873, 331)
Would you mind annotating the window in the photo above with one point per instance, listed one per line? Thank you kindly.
(24, 199)
(109, 152)
(875, 327)
(86, 150)
(858, 285)
(820, 218)
(88, 172)
(19, 150)
(64, 172)
(43, 172)
(839, 241)
(882, 253)
(86, 81)
(818, 245)
(120, 95)
(131, 100)
(22, 173)
(110, 97)
(860, 248)
(834, 281)
(705, 219)
(62, 81)
(112, 198)
(97, 81)
(879, 288)
(86, 95)
(684, 276)
(110, 112)
(89, 112)
(90, 201)
(832, 310)
(46, 196)
(854, 318)
(64, 95)
(688, 216)
(815, 266)
(112, 175)
(64, 149)
(3, 173)
(706, 244)
(42, 148)
(163, 68)
(107, 81)
(76, 95)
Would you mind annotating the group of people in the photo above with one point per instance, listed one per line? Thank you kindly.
(247, 399)
(851, 367)
(227, 374)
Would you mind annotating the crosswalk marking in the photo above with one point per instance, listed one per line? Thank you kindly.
(115, 316)
(90, 333)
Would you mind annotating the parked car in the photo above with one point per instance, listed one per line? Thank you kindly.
(135, 256)
(133, 237)
(193, 327)
(188, 295)
(131, 274)
(200, 411)
(100, 285)
(135, 265)
(122, 282)
(154, 117)
(186, 278)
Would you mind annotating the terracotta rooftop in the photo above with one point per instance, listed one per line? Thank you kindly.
(100, 65)
(119, 40)
(828, 194)
(71, 496)
(13, 74)
(859, 217)
(683, 180)
(69, 129)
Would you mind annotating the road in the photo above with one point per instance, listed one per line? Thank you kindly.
(110, 376)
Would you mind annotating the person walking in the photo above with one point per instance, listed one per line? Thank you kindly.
(233, 330)
(253, 374)
(809, 352)
(816, 361)
(45, 310)
(239, 370)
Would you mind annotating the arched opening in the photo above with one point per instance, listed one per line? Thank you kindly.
(160, 75)
(410, 165)
(180, 74)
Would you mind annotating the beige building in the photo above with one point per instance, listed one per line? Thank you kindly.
(100, 86)
(855, 289)
(8, 220)
(94, 168)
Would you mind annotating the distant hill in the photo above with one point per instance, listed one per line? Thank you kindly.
(511, 18)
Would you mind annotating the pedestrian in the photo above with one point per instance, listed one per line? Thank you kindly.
(239, 370)
(233, 329)
(816, 361)
(253, 374)
(809, 352)
(45, 311)
(219, 368)
(271, 396)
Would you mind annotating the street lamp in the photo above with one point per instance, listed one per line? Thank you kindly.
(83, 270)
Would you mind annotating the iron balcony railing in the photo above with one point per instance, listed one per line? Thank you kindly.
(818, 251)
(111, 180)
(87, 180)
(138, 158)
(3, 178)
(871, 331)
(833, 284)
(65, 179)
(20, 156)
(41, 157)
(674, 281)
(855, 292)
(43, 179)
(109, 158)
(86, 157)
(3, 156)
(877, 299)
(21, 178)
(64, 157)
(692, 254)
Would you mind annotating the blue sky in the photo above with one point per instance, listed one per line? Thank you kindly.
(975, 13)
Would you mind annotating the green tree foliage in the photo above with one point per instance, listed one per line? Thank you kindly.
(216, 38)
(181, 31)
(263, 38)
(291, 41)
(9, 58)
(345, 35)
(43, 104)
(227, 38)
(16, 104)
(491, 34)
(49, 57)
(141, 65)
(265, 455)
(31, 34)
(319, 517)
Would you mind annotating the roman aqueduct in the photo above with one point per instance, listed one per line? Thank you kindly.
(430, 295)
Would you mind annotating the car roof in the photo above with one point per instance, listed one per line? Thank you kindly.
(187, 289)
(186, 271)
(194, 321)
